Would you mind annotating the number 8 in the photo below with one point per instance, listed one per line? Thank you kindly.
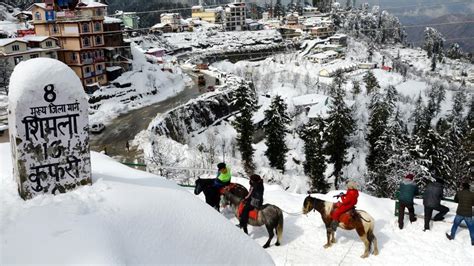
(49, 95)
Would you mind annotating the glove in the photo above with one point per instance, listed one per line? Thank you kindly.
(339, 195)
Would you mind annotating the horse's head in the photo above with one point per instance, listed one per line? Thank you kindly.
(198, 186)
(308, 204)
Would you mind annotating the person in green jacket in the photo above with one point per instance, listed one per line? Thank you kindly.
(465, 198)
(223, 176)
(408, 190)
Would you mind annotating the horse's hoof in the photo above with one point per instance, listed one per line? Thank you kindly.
(333, 241)
(266, 246)
(277, 244)
(364, 256)
(376, 252)
(327, 245)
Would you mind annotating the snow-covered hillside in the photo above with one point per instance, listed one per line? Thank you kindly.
(126, 217)
(132, 217)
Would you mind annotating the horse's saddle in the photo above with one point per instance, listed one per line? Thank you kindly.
(227, 188)
(253, 214)
(348, 215)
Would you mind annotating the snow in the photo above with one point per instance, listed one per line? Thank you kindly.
(109, 20)
(7, 41)
(125, 217)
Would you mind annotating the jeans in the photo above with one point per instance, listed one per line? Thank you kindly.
(438, 217)
(244, 217)
(469, 222)
(401, 213)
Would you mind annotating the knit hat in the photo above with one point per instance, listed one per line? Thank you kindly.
(221, 166)
(409, 176)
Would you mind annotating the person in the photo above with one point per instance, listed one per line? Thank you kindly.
(465, 199)
(348, 201)
(254, 199)
(408, 190)
(223, 176)
(432, 201)
(127, 146)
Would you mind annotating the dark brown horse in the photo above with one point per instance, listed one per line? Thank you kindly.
(361, 221)
(212, 194)
(269, 215)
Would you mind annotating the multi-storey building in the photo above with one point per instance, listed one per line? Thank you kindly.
(172, 19)
(80, 32)
(211, 15)
(15, 50)
(235, 16)
(117, 50)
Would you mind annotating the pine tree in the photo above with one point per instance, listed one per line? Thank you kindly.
(245, 99)
(355, 89)
(454, 52)
(433, 63)
(381, 108)
(315, 164)
(371, 83)
(340, 125)
(279, 10)
(276, 120)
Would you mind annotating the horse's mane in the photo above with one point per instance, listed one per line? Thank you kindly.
(205, 181)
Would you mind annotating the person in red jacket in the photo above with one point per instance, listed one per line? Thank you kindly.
(348, 201)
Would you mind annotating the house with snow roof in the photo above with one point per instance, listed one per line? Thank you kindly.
(16, 50)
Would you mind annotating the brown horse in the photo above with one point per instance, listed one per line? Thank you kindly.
(361, 221)
(269, 215)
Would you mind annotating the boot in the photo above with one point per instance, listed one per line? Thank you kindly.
(449, 236)
(334, 225)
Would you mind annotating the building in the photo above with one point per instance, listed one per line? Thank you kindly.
(323, 57)
(24, 16)
(235, 16)
(332, 70)
(130, 19)
(211, 15)
(309, 11)
(80, 32)
(292, 20)
(338, 39)
(16, 50)
(321, 31)
(117, 51)
(173, 20)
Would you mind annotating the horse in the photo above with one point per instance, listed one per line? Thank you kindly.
(362, 222)
(269, 215)
(212, 194)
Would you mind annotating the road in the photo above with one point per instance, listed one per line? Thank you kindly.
(126, 126)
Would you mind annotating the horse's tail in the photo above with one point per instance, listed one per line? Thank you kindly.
(371, 237)
(279, 229)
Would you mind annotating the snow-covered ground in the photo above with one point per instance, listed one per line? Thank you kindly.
(126, 217)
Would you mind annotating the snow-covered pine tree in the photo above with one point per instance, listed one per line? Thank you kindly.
(371, 83)
(434, 42)
(380, 108)
(355, 89)
(245, 99)
(454, 51)
(340, 125)
(276, 121)
(278, 10)
(315, 164)
(457, 135)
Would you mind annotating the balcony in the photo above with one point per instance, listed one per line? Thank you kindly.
(88, 61)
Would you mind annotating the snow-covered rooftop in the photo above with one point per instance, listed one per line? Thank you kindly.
(7, 41)
(108, 20)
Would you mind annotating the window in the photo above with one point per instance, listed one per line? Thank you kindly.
(37, 16)
(73, 57)
(86, 42)
(84, 57)
(88, 81)
(55, 29)
(85, 27)
(16, 47)
(98, 40)
(99, 67)
(97, 26)
(34, 56)
(88, 69)
(49, 44)
(18, 59)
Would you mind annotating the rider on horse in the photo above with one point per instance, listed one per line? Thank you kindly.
(253, 200)
(348, 201)
(223, 176)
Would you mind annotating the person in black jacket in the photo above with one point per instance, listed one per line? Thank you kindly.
(432, 201)
(465, 198)
(253, 200)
